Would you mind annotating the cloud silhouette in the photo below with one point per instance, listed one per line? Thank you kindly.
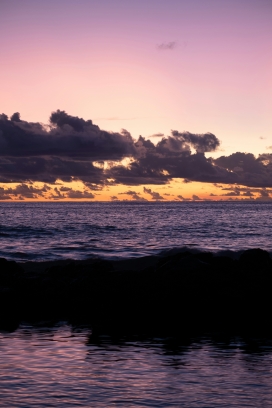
(114, 198)
(180, 197)
(170, 158)
(195, 197)
(24, 191)
(68, 137)
(80, 194)
(247, 169)
(71, 148)
(154, 195)
(134, 196)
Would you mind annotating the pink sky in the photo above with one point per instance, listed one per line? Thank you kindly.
(148, 66)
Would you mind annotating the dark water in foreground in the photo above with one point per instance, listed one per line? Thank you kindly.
(50, 231)
(64, 367)
(61, 367)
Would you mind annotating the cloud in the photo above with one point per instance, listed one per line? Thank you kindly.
(73, 149)
(232, 193)
(68, 137)
(246, 192)
(246, 169)
(65, 188)
(183, 198)
(134, 196)
(195, 197)
(48, 170)
(154, 195)
(157, 135)
(23, 191)
(4, 195)
(167, 46)
(170, 158)
(70, 148)
(80, 194)
(206, 142)
(15, 117)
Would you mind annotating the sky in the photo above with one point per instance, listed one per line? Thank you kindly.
(136, 100)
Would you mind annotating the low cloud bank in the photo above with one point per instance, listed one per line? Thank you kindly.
(71, 148)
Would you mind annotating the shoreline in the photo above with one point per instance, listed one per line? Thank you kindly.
(172, 294)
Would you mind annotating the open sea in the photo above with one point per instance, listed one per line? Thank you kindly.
(64, 366)
(53, 231)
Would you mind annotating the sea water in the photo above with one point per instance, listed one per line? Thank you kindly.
(65, 367)
(51, 231)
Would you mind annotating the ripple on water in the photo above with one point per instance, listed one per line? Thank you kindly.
(65, 367)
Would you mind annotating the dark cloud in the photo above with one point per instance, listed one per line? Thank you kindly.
(235, 192)
(134, 196)
(65, 189)
(246, 169)
(183, 198)
(246, 192)
(167, 46)
(79, 194)
(4, 195)
(48, 170)
(56, 194)
(23, 191)
(15, 117)
(206, 142)
(68, 137)
(171, 158)
(154, 195)
(71, 148)
(195, 197)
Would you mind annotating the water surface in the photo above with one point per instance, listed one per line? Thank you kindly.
(50, 231)
(65, 367)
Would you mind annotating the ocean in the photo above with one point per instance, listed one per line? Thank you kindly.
(63, 366)
(82, 230)
(60, 364)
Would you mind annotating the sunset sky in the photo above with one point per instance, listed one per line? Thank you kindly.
(193, 78)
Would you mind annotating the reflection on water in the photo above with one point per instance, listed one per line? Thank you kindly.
(66, 367)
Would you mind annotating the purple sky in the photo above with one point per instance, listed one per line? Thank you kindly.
(147, 66)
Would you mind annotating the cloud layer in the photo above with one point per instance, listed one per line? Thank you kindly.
(71, 148)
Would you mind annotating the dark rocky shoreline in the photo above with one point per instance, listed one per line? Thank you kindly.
(168, 295)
